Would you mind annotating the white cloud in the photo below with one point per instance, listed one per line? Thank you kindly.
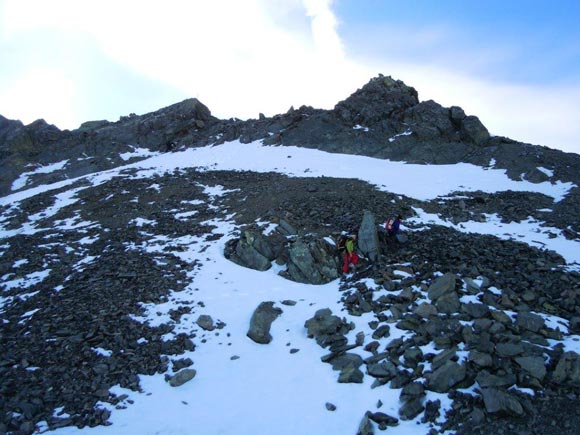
(245, 57)
(41, 91)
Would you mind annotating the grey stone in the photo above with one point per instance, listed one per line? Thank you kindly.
(486, 379)
(246, 254)
(534, 365)
(568, 369)
(339, 362)
(443, 285)
(285, 228)
(448, 303)
(182, 377)
(498, 401)
(313, 262)
(384, 369)
(474, 131)
(529, 321)
(446, 377)
(480, 359)
(411, 408)
(365, 427)
(425, 310)
(509, 349)
(261, 322)
(323, 325)
(205, 322)
(381, 331)
(383, 419)
(350, 375)
(368, 237)
(411, 391)
(330, 406)
(475, 310)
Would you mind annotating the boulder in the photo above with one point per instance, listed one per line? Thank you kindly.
(446, 377)
(500, 402)
(261, 322)
(324, 325)
(443, 285)
(250, 250)
(368, 237)
(312, 263)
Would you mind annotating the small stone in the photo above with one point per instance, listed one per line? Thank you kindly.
(330, 406)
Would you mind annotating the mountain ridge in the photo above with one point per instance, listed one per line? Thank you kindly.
(383, 119)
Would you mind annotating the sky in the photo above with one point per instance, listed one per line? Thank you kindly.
(240, 386)
(515, 65)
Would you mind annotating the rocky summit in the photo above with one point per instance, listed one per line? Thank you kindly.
(101, 256)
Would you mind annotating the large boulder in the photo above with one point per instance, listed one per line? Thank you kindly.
(261, 322)
(312, 262)
(250, 250)
(368, 237)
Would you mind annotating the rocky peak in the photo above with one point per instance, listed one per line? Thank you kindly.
(382, 97)
(191, 108)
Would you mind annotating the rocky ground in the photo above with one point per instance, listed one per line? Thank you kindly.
(48, 338)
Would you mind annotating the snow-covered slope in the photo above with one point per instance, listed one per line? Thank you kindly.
(240, 386)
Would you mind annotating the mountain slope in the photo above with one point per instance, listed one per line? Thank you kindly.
(104, 278)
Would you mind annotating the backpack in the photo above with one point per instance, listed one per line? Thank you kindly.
(389, 224)
(341, 244)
